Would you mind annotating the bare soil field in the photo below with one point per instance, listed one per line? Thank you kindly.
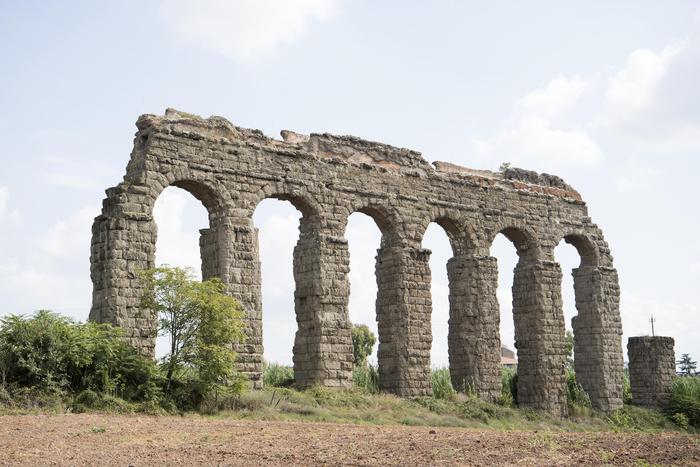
(95, 439)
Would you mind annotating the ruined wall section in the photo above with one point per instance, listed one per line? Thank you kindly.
(327, 178)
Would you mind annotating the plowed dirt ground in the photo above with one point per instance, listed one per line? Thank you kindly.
(93, 439)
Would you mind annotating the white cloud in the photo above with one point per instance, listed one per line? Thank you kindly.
(533, 137)
(633, 89)
(71, 237)
(560, 94)
(244, 30)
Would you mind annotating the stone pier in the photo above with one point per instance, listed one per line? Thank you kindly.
(652, 368)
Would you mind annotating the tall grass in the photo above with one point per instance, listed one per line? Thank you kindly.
(685, 399)
(442, 384)
(366, 377)
(509, 387)
(278, 376)
(575, 395)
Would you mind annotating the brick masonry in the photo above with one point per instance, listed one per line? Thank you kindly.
(652, 369)
(327, 178)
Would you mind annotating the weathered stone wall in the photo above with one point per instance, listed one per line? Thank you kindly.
(231, 170)
(652, 368)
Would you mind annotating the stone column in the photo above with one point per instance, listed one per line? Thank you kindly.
(597, 330)
(539, 336)
(652, 369)
(474, 340)
(239, 269)
(323, 341)
(123, 244)
(403, 317)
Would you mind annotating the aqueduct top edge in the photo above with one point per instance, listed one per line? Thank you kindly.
(354, 150)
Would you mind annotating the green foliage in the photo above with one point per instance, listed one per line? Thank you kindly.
(504, 166)
(366, 377)
(685, 399)
(575, 395)
(509, 387)
(687, 365)
(278, 376)
(626, 388)
(681, 420)
(631, 418)
(52, 354)
(201, 322)
(442, 384)
(363, 341)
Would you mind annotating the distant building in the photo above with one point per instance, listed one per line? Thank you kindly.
(508, 358)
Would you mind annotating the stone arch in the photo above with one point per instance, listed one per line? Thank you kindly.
(462, 238)
(209, 191)
(442, 327)
(538, 321)
(306, 271)
(301, 199)
(596, 323)
(523, 238)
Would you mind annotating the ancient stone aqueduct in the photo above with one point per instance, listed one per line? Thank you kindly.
(327, 177)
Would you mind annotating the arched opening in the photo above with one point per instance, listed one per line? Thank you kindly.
(374, 256)
(179, 216)
(364, 238)
(507, 259)
(583, 325)
(436, 240)
(568, 259)
(278, 225)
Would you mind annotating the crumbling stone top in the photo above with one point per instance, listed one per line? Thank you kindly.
(352, 150)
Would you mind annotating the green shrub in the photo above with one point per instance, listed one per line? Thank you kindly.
(626, 388)
(509, 387)
(685, 399)
(681, 420)
(575, 395)
(278, 376)
(366, 377)
(442, 384)
(53, 355)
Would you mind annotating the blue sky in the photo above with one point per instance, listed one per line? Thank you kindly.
(603, 94)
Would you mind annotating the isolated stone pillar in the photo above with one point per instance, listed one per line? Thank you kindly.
(597, 330)
(539, 336)
(652, 368)
(403, 316)
(323, 341)
(473, 338)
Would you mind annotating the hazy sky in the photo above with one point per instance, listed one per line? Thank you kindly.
(604, 94)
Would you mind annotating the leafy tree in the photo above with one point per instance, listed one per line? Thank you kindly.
(504, 166)
(569, 346)
(363, 341)
(201, 322)
(687, 365)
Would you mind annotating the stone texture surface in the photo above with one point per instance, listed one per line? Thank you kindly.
(652, 368)
(327, 177)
